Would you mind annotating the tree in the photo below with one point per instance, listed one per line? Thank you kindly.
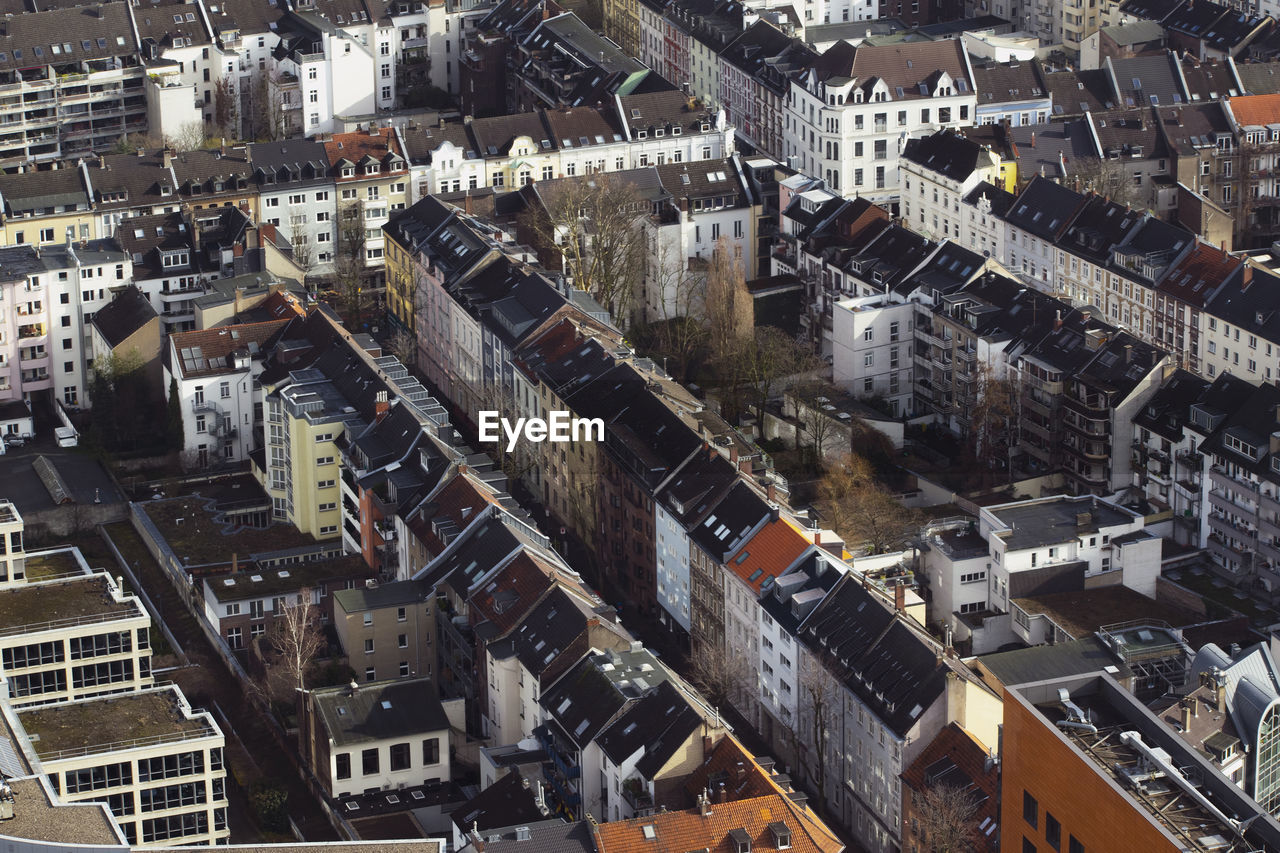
(808, 398)
(590, 228)
(297, 640)
(818, 707)
(1107, 178)
(946, 819)
(772, 357)
(176, 436)
(303, 255)
(349, 260)
(730, 310)
(226, 108)
(265, 110)
(189, 137)
(994, 419)
(122, 415)
(677, 309)
(722, 677)
(862, 511)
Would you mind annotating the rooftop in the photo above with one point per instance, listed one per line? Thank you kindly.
(308, 573)
(38, 816)
(1082, 612)
(1036, 523)
(112, 724)
(193, 530)
(380, 710)
(61, 603)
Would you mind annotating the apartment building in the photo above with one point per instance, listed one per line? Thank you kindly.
(75, 83)
(851, 111)
(376, 737)
(13, 564)
(57, 197)
(244, 605)
(1166, 465)
(372, 184)
(157, 763)
(54, 292)
(756, 70)
(872, 340)
(296, 195)
(389, 627)
(945, 168)
(215, 375)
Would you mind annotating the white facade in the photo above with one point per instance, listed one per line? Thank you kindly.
(871, 348)
(852, 140)
(307, 214)
(673, 566)
(514, 711)
(217, 405)
(933, 203)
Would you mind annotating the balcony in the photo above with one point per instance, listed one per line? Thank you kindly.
(33, 330)
(1232, 530)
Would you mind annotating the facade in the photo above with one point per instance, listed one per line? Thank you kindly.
(376, 737)
(157, 764)
(852, 112)
(389, 627)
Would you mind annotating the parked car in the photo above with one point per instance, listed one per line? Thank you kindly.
(67, 437)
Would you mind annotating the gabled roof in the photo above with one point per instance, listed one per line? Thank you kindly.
(124, 315)
(1098, 227)
(769, 553)
(1167, 411)
(587, 698)
(945, 152)
(1200, 274)
(740, 512)
(909, 68)
(872, 649)
(1004, 82)
(1259, 78)
(1045, 209)
(26, 192)
(957, 759)
(507, 802)
(93, 32)
(659, 724)
(1256, 110)
(1250, 301)
(756, 822)
(207, 352)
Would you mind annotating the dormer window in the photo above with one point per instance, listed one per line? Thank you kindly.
(781, 834)
(371, 169)
(175, 259)
(348, 172)
(741, 840)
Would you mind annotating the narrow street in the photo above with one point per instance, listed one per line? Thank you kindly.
(208, 684)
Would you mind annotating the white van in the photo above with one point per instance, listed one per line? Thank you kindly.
(67, 437)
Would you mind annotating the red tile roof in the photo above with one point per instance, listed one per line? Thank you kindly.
(1199, 274)
(509, 595)
(219, 342)
(460, 500)
(354, 147)
(680, 832)
(731, 762)
(768, 554)
(955, 757)
(1255, 110)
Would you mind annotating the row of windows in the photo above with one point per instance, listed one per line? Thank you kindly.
(371, 760)
(113, 643)
(1052, 828)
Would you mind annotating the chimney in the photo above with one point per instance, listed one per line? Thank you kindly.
(722, 795)
(380, 407)
(166, 157)
(1195, 706)
(1186, 717)
(1128, 353)
(900, 597)
(1057, 319)
(771, 492)
(466, 203)
(222, 147)
(704, 804)
(102, 161)
(1033, 139)
(1248, 278)
(141, 152)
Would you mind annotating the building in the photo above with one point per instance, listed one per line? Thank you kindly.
(938, 171)
(852, 110)
(372, 180)
(375, 737)
(1101, 740)
(389, 628)
(69, 638)
(126, 331)
(142, 752)
(215, 375)
(296, 195)
(956, 760)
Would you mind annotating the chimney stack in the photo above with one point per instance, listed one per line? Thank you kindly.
(900, 597)
(380, 407)
(1057, 319)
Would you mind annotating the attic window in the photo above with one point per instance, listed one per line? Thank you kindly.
(781, 834)
(755, 576)
(650, 832)
(741, 840)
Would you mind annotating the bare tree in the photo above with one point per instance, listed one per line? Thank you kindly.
(861, 510)
(590, 227)
(730, 311)
(721, 676)
(226, 108)
(350, 269)
(946, 815)
(266, 108)
(994, 419)
(818, 708)
(189, 137)
(303, 255)
(808, 399)
(1107, 178)
(771, 359)
(297, 639)
(677, 308)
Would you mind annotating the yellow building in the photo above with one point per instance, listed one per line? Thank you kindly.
(622, 24)
(45, 207)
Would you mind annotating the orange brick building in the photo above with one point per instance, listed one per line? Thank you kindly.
(1084, 775)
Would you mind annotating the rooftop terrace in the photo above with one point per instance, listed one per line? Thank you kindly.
(1082, 612)
(37, 818)
(47, 565)
(190, 528)
(111, 724)
(62, 603)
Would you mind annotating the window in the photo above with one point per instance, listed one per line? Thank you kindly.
(344, 765)
(368, 646)
(1052, 831)
(369, 762)
(1030, 810)
(1074, 845)
(403, 641)
(431, 751)
(401, 614)
(370, 674)
(399, 756)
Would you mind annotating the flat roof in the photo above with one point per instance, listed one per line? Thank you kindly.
(291, 578)
(62, 603)
(1034, 524)
(111, 724)
(38, 817)
(1082, 612)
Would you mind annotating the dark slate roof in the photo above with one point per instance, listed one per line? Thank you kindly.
(752, 51)
(304, 158)
(659, 723)
(587, 698)
(1073, 91)
(730, 521)
(1152, 10)
(1251, 422)
(548, 836)
(1000, 198)
(1035, 524)
(384, 595)
(1191, 127)
(1167, 410)
(872, 649)
(163, 21)
(509, 801)
(1045, 208)
(122, 181)
(146, 237)
(947, 269)
(892, 255)
(945, 152)
(128, 312)
(1144, 81)
(1259, 78)
(1098, 227)
(1208, 81)
(548, 630)
(1251, 302)
(94, 32)
(1040, 663)
(26, 192)
(1130, 133)
(245, 17)
(1000, 82)
(380, 710)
